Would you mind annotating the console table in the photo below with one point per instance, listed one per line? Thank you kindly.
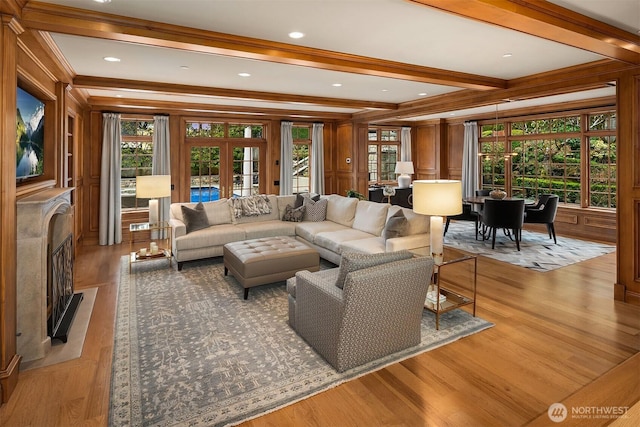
(403, 196)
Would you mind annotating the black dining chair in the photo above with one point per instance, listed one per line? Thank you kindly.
(503, 214)
(481, 193)
(544, 212)
(467, 215)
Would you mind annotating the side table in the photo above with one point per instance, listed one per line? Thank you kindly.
(164, 250)
(457, 298)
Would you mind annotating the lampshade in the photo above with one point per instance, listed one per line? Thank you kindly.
(437, 197)
(153, 186)
(404, 167)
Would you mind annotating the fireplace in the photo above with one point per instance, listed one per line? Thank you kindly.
(46, 301)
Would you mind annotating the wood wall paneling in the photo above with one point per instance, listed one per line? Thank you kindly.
(427, 152)
(455, 147)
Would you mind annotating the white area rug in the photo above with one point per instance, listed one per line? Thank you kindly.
(537, 250)
(72, 349)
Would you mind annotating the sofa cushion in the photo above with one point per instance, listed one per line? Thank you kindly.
(370, 217)
(416, 223)
(301, 196)
(315, 211)
(218, 212)
(396, 226)
(293, 214)
(341, 209)
(333, 240)
(371, 245)
(283, 202)
(194, 219)
(352, 261)
(309, 230)
(210, 237)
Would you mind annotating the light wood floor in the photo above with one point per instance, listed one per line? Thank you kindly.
(559, 337)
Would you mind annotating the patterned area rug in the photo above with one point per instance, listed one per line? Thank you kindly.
(537, 250)
(190, 351)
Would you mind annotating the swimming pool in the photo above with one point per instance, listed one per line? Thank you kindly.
(204, 194)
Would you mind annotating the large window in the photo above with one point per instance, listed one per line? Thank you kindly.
(382, 154)
(569, 156)
(301, 158)
(137, 158)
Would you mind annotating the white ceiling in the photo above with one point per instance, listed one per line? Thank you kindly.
(396, 30)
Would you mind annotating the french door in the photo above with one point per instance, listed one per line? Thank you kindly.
(225, 169)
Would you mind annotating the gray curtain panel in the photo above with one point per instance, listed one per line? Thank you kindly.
(317, 159)
(110, 224)
(286, 158)
(470, 162)
(405, 144)
(161, 165)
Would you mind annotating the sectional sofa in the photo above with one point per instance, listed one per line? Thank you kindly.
(348, 224)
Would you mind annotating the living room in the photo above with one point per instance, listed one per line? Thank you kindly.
(73, 148)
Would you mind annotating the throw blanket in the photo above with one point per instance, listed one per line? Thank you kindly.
(250, 205)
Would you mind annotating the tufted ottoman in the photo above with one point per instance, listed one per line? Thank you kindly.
(271, 259)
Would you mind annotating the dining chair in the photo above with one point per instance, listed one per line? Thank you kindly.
(503, 214)
(544, 212)
(467, 215)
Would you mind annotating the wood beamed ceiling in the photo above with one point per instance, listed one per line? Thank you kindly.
(537, 18)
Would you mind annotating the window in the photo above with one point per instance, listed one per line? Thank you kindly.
(567, 155)
(382, 154)
(301, 158)
(137, 158)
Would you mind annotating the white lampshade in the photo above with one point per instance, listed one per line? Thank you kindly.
(437, 198)
(441, 197)
(404, 167)
(153, 186)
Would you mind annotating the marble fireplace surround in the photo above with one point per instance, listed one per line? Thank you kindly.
(44, 218)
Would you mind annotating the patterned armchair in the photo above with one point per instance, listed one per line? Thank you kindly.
(378, 312)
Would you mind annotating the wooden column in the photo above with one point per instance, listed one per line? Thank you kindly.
(9, 360)
(627, 287)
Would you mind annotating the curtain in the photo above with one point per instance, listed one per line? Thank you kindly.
(110, 222)
(161, 164)
(405, 144)
(317, 159)
(286, 158)
(470, 164)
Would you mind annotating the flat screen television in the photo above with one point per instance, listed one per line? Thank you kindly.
(29, 136)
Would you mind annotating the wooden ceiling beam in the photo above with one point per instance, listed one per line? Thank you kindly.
(98, 102)
(78, 22)
(546, 20)
(90, 82)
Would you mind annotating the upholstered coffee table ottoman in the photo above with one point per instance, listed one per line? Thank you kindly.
(272, 259)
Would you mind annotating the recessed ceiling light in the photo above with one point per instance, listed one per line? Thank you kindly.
(422, 94)
(102, 1)
(507, 55)
(111, 59)
(118, 96)
(296, 35)
(385, 90)
(336, 84)
(244, 74)
(184, 67)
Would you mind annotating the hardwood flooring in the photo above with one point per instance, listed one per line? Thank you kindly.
(559, 337)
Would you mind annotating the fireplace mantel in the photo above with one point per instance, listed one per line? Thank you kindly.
(34, 220)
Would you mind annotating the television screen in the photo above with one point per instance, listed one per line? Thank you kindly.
(29, 135)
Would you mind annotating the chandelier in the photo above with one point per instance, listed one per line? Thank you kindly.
(495, 153)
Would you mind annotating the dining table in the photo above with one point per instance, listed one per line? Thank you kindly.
(479, 200)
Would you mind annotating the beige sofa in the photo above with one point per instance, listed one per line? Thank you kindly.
(350, 224)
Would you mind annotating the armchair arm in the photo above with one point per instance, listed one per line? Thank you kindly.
(319, 311)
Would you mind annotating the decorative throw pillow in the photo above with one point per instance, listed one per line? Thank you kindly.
(352, 261)
(301, 196)
(293, 214)
(396, 226)
(315, 211)
(194, 219)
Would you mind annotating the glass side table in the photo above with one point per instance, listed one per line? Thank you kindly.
(146, 253)
(449, 290)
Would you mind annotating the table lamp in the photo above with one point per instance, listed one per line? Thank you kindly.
(405, 169)
(153, 187)
(437, 198)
